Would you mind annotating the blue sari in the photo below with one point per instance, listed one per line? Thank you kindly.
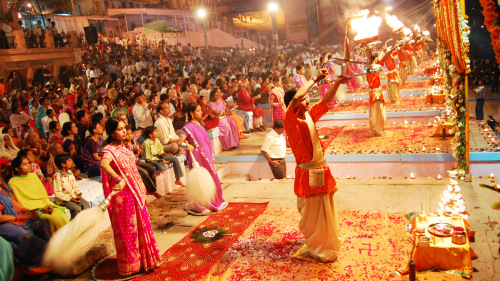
(27, 238)
(39, 125)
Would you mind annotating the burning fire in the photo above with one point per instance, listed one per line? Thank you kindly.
(453, 204)
(366, 27)
(406, 31)
(393, 22)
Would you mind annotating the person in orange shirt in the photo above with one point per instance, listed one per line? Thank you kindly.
(314, 184)
(393, 81)
(403, 67)
(377, 113)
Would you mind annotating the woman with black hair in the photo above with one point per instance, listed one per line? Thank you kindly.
(90, 152)
(201, 149)
(136, 246)
(29, 192)
(55, 133)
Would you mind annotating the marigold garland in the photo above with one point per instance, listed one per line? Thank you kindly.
(454, 88)
(491, 22)
(453, 47)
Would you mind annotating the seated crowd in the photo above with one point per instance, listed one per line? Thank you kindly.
(53, 133)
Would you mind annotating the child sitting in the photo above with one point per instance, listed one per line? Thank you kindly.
(153, 149)
(66, 189)
(155, 155)
(146, 171)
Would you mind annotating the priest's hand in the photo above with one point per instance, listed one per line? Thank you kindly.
(320, 75)
(343, 79)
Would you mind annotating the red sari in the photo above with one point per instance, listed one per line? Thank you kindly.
(134, 240)
(211, 121)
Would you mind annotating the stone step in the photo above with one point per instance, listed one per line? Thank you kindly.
(234, 178)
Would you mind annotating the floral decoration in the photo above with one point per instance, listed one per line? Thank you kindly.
(491, 22)
(454, 88)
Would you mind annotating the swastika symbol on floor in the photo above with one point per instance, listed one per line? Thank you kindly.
(369, 250)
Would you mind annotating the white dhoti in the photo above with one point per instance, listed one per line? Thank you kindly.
(402, 74)
(319, 226)
(393, 90)
(377, 117)
(413, 65)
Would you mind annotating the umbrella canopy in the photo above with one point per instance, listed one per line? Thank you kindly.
(162, 26)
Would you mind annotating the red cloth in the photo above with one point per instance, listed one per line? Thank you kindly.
(391, 65)
(246, 103)
(401, 55)
(374, 85)
(211, 121)
(302, 149)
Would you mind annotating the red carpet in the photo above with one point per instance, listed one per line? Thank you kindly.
(375, 245)
(188, 260)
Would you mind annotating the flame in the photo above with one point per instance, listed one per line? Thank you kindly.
(416, 27)
(406, 31)
(393, 22)
(366, 27)
(426, 33)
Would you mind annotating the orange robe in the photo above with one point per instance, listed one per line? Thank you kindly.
(302, 149)
(374, 85)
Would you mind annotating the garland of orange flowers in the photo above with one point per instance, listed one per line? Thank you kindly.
(491, 22)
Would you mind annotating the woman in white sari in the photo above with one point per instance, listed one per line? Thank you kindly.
(7, 148)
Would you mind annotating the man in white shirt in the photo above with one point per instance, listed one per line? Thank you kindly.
(274, 150)
(142, 112)
(7, 29)
(166, 131)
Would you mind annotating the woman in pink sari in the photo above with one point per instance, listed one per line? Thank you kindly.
(276, 99)
(201, 149)
(229, 136)
(135, 243)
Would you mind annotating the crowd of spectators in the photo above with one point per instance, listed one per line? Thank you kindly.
(53, 126)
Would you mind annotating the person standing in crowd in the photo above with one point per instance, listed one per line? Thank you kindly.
(135, 243)
(314, 183)
(480, 92)
(276, 99)
(7, 30)
(201, 149)
(274, 150)
(299, 79)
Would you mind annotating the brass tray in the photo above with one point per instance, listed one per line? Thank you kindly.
(441, 229)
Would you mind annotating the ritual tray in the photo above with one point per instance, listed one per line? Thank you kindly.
(441, 229)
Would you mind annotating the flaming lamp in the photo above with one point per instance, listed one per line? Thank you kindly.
(366, 28)
(453, 204)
